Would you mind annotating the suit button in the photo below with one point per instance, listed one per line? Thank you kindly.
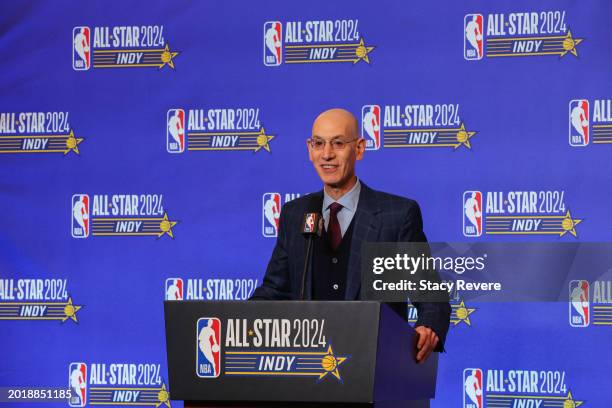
(334, 260)
(335, 286)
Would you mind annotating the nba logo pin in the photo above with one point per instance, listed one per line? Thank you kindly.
(472, 388)
(370, 126)
(579, 123)
(271, 208)
(80, 216)
(174, 289)
(77, 380)
(175, 131)
(579, 304)
(473, 37)
(208, 347)
(273, 43)
(81, 50)
(472, 213)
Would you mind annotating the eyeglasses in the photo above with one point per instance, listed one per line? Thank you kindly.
(337, 144)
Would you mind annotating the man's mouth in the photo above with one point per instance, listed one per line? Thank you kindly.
(328, 168)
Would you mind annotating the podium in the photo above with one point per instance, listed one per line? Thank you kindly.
(294, 354)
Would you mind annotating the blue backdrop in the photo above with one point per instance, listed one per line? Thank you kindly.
(141, 144)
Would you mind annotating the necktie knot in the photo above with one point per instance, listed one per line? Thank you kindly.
(334, 208)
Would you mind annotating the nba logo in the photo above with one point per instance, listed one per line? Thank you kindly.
(80, 216)
(579, 122)
(81, 52)
(175, 131)
(174, 289)
(77, 380)
(473, 37)
(370, 126)
(472, 388)
(271, 208)
(208, 349)
(273, 43)
(309, 223)
(472, 213)
(579, 306)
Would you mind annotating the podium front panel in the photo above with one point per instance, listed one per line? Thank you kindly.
(272, 350)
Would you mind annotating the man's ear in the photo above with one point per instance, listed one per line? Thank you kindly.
(309, 147)
(360, 148)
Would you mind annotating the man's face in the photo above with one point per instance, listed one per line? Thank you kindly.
(336, 167)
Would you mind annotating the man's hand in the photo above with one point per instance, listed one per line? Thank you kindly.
(428, 340)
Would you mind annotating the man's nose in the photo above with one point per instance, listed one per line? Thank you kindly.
(328, 151)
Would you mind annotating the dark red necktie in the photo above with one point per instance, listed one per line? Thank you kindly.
(334, 232)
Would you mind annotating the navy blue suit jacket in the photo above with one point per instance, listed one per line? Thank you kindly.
(380, 217)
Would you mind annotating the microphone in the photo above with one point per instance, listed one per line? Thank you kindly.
(312, 224)
(312, 227)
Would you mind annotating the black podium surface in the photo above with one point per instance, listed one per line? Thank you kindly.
(263, 353)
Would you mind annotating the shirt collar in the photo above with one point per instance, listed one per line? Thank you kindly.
(349, 200)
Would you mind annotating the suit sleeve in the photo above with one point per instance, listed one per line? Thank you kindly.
(276, 283)
(435, 315)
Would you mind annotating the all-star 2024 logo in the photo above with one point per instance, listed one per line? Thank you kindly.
(223, 129)
(414, 126)
(115, 384)
(37, 299)
(524, 34)
(517, 213)
(264, 348)
(516, 388)
(119, 215)
(209, 289)
(314, 41)
(120, 47)
(37, 132)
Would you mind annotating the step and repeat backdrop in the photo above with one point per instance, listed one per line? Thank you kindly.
(147, 148)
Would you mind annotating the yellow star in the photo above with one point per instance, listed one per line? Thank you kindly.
(165, 226)
(570, 402)
(263, 139)
(163, 397)
(463, 137)
(568, 224)
(361, 52)
(72, 143)
(251, 332)
(462, 314)
(330, 364)
(70, 311)
(569, 44)
(166, 57)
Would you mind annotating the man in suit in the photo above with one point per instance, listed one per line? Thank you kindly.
(353, 213)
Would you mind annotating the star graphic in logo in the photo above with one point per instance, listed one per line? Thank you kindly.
(463, 137)
(462, 314)
(569, 44)
(167, 57)
(165, 226)
(72, 143)
(330, 363)
(263, 140)
(362, 51)
(569, 225)
(70, 311)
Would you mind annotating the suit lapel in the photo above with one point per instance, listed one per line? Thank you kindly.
(366, 228)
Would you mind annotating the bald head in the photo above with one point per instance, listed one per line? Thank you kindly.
(337, 149)
(336, 118)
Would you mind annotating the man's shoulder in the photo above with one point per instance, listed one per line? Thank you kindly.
(301, 204)
(391, 202)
